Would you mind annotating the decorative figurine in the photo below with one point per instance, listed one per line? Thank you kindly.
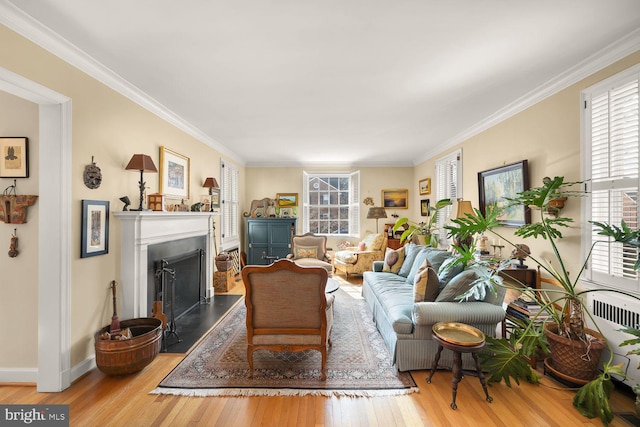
(92, 175)
(126, 201)
(13, 247)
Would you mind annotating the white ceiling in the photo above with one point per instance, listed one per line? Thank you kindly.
(358, 82)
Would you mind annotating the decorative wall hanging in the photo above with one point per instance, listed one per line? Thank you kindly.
(13, 247)
(174, 173)
(13, 208)
(95, 228)
(92, 175)
(14, 162)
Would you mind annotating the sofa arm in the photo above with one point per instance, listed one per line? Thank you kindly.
(430, 313)
(378, 266)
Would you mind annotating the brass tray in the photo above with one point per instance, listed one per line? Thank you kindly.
(458, 333)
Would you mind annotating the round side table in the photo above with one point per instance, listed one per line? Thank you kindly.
(459, 338)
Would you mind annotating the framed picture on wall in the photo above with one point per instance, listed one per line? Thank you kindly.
(424, 185)
(174, 173)
(95, 228)
(395, 199)
(496, 185)
(424, 207)
(287, 200)
(14, 162)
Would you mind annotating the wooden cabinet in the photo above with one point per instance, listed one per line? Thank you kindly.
(526, 276)
(269, 239)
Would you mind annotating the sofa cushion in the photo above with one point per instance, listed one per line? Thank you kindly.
(458, 286)
(410, 252)
(395, 297)
(373, 242)
(425, 284)
(448, 271)
(305, 252)
(348, 257)
(393, 260)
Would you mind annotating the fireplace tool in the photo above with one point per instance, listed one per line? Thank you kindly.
(171, 324)
(115, 321)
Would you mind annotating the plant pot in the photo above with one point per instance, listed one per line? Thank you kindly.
(421, 239)
(568, 356)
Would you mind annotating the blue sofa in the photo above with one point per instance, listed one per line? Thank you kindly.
(406, 324)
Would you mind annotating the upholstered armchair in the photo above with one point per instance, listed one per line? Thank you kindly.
(311, 251)
(287, 309)
(358, 259)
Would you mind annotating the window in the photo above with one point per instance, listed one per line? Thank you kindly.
(610, 142)
(331, 204)
(229, 202)
(448, 186)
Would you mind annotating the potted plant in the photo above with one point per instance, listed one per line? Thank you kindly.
(423, 231)
(506, 357)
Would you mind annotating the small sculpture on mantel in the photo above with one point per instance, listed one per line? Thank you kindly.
(126, 201)
(13, 247)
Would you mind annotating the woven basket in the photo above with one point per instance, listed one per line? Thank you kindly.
(568, 356)
(224, 265)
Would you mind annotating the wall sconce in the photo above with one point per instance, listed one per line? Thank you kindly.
(142, 163)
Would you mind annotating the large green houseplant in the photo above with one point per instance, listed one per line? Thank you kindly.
(507, 357)
(424, 229)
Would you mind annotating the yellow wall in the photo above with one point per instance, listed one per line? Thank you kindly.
(19, 282)
(548, 136)
(111, 128)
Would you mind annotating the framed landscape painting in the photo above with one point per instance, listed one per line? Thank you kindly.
(395, 199)
(174, 173)
(496, 185)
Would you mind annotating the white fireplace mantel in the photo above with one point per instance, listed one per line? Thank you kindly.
(141, 229)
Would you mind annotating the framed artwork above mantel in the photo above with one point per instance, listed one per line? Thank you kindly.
(174, 173)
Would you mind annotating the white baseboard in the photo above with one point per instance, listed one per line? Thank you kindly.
(18, 375)
(82, 368)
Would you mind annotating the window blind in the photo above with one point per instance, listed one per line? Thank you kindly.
(448, 186)
(229, 205)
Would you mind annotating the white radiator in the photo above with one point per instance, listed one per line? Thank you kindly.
(613, 312)
(235, 256)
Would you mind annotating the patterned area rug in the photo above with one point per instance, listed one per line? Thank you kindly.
(358, 363)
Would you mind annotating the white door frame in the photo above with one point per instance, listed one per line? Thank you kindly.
(54, 265)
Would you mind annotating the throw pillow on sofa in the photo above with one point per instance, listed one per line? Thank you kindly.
(393, 260)
(305, 252)
(458, 286)
(410, 252)
(425, 284)
(448, 271)
(436, 258)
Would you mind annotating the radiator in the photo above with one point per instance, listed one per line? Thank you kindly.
(613, 312)
(235, 256)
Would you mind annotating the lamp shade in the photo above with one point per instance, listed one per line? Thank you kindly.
(210, 183)
(376, 213)
(141, 162)
(463, 208)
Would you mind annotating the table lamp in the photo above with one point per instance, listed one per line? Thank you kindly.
(211, 184)
(376, 213)
(142, 163)
(460, 210)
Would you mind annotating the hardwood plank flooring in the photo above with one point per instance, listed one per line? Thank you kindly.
(99, 400)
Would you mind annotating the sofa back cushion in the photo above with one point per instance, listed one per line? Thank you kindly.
(410, 252)
(448, 271)
(458, 286)
(373, 242)
(435, 257)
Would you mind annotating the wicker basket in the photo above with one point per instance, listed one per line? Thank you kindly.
(567, 355)
(224, 265)
(128, 356)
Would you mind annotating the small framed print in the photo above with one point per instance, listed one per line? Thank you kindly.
(425, 186)
(215, 198)
(287, 200)
(174, 173)
(14, 162)
(424, 207)
(95, 228)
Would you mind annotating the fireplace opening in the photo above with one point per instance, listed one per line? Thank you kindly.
(177, 271)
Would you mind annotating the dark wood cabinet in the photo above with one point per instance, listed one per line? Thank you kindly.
(526, 276)
(269, 239)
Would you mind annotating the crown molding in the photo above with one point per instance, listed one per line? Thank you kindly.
(616, 51)
(312, 164)
(15, 19)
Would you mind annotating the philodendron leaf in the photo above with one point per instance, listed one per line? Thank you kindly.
(504, 362)
(592, 400)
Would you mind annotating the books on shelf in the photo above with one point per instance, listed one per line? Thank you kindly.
(519, 312)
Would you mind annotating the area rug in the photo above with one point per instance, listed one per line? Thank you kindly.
(358, 363)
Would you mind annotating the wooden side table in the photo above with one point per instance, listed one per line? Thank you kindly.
(459, 338)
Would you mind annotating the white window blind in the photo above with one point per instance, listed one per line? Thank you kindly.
(229, 205)
(611, 122)
(331, 203)
(448, 186)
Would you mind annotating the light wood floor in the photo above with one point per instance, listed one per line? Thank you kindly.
(99, 400)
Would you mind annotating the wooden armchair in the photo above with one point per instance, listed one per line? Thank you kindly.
(287, 309)
(310, 250)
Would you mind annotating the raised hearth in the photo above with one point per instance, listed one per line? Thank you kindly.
(139, 230)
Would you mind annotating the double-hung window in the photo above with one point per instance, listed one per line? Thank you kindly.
(229, 236)
(448, 186)
(610, 125)
(330, 203)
